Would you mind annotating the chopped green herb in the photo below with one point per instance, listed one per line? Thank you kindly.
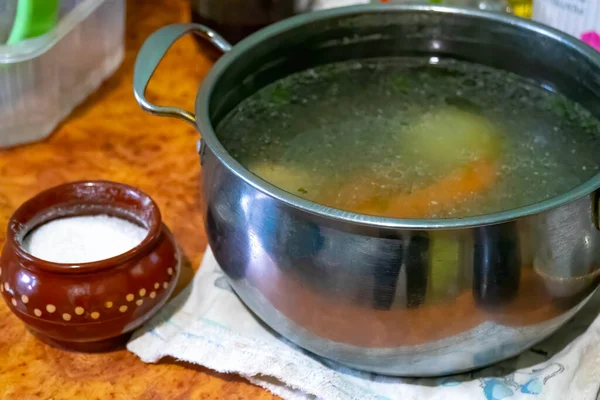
(562, 109)
(302, 190)
(557, 106)
(280, 95)
(401, 83)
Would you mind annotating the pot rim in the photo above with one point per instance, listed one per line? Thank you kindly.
(204, 124)
(154, 226)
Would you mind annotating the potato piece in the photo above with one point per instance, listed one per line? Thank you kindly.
(450, 138)
(290, 179)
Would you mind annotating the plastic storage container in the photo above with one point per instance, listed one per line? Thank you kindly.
(43, 79)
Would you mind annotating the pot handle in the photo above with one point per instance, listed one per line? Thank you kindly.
(149, 56)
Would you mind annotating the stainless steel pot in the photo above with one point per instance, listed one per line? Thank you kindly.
(402, 297)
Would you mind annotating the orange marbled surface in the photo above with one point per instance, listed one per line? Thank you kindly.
(109, 137)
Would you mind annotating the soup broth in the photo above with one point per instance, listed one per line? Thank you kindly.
(413, 138)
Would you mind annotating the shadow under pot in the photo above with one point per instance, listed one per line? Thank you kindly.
(89, 306)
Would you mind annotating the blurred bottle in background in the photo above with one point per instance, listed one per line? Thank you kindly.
(8, 9)
(521, 8)
(236, 19)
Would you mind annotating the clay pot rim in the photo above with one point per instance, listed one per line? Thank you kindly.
(153, 224)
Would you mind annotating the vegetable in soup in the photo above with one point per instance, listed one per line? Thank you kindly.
(406, 138)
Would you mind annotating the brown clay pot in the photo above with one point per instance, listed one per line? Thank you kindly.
(89, 306)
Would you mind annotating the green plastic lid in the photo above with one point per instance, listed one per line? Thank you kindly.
(33, 18)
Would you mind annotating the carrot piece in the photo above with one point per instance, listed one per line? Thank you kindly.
(442, 194)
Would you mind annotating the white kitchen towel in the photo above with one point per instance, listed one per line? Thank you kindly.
(207, 324)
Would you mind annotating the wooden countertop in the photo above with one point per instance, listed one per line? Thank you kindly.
(110, 137)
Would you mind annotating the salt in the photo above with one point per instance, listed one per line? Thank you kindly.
(83, 239)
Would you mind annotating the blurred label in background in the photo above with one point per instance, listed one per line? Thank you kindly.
(580, 18)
